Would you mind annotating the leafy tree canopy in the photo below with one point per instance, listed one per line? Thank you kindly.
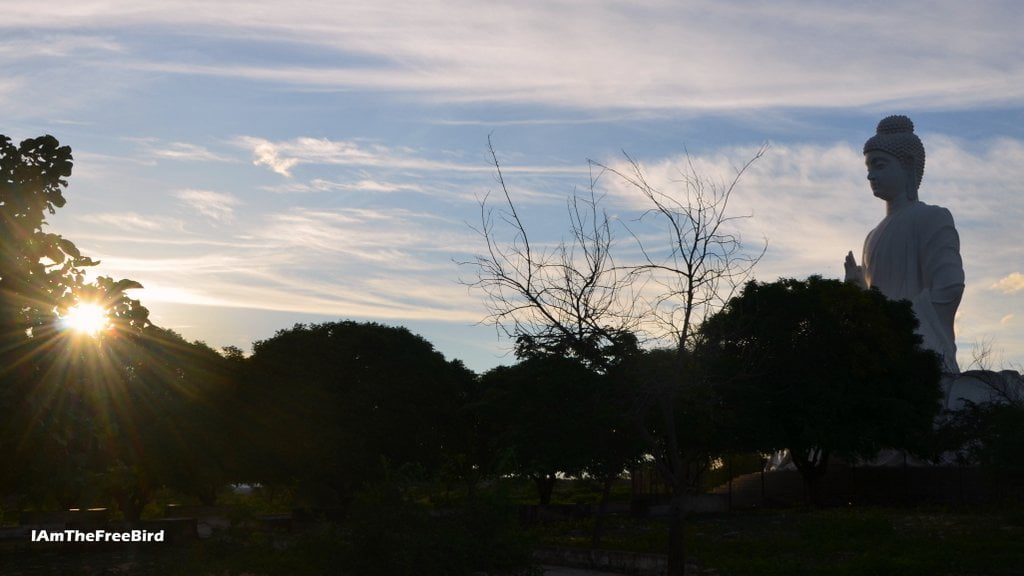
(822, 367)
(90, 417)
(343, 402)
(39, 271)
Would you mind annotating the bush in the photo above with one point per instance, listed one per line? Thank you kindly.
(391, 536)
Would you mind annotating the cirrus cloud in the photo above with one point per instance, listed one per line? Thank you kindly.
(1010, 284)
(216, 206)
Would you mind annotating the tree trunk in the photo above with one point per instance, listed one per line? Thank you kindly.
(545, 486)
(602, 512)
(677, 530)
(812, 466)
(471, 482)
(207, 493)
(131, 504)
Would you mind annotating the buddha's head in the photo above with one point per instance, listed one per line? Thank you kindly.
(895, 136)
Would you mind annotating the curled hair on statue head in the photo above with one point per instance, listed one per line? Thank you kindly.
(895, 135)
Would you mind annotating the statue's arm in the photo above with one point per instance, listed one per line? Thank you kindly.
(854, 273)
(943, 266)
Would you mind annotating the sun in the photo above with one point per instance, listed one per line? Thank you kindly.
(88, 319)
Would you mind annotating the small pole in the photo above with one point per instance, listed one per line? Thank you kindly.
(728, 463)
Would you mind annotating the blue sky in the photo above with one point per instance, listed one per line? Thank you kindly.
(257, 164)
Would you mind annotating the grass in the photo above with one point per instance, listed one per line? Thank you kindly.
(839, 541)
(383, 535)
(852, 541)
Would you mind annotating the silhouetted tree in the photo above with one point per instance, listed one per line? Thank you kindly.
(704, 424)
(575, 298)
(543, 409)
(344, 403)
(39, 271)
(822, 368)
(988, 434)
(198, 422)
(91, 417)
(49, 437)
(38, 274)
(472, 455)
(69, 410)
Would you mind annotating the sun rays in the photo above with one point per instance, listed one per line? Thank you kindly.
(87, 319)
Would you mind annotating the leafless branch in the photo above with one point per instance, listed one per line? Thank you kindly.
(571, 293)
(702, 262)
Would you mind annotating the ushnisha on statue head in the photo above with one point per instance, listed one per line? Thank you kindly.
(895, 136)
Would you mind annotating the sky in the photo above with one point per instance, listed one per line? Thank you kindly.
(259, 164)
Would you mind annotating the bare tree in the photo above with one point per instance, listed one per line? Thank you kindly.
(574, 297)
(694, 272)
(702, 261)
(1005, 386)
(569, 297)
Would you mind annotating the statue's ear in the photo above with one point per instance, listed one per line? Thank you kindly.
(913, 181)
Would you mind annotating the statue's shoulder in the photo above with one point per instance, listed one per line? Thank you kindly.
(933, 213)
(934, 222)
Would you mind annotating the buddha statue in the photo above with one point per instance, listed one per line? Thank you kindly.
(914, 252)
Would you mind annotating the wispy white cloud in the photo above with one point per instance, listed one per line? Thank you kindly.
(8, 86)
(57, 45)
(392, 237)
(216, 206)
(53, 72)
(1010, 284)
(369, 186)
(366, 184)
(808, 201)
(283, 156)
(697, 55)
(133, 221)
(266, 154)
(319, 185)
(357, 263)
(187, 152)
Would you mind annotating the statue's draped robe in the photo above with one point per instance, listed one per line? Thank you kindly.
(914, 254)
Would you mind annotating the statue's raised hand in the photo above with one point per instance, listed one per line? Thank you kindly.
(854, 273)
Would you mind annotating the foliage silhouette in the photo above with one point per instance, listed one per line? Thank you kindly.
(339, 404)
(39, 271)
(990, 435)
(543, 407)
(821, 368)
(91, 418)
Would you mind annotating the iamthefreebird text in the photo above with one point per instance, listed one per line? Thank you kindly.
(97, 536)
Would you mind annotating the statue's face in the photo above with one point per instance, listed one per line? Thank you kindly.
(889, 180)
